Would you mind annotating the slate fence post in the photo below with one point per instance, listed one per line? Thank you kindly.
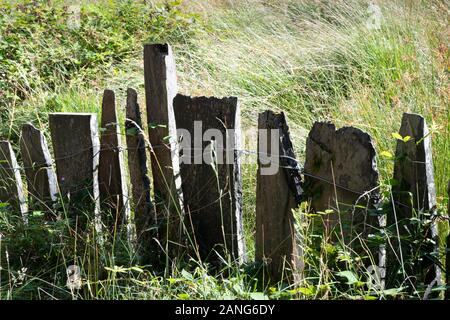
(278, 192)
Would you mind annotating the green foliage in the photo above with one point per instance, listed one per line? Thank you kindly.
(34, 258)
(43, 46)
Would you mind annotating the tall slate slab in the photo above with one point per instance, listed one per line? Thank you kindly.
(137, 164)
(11, 186)
(414, 194)
(160, 89)
(212, 187)
(111, 172)
(76, 149)
(278, 192)
(341, 174)
(37, 160)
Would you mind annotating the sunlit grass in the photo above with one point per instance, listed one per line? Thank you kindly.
(314, 60)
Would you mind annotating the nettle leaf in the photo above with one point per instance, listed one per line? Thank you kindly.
(175, 280)
(344, 258)
(360, 284)
(396, 135)
(183, 296)
(306, 291)
(330, 249)
(272, 290)
(37, 214)
(350, 276)
(4, 204)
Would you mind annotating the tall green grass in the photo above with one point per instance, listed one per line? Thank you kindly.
(314, 60)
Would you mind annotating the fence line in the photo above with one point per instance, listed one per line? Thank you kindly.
(339, 173)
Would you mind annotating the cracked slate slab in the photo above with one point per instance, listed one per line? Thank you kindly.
(341, 174)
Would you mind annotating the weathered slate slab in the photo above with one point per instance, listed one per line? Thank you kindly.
(276, 241)
(160, 89)
(212, 191)
(413, 175)
(137, 164)
(11, 187)
(41, 178)
(341, 172)
(76, 148)
(111, 171)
